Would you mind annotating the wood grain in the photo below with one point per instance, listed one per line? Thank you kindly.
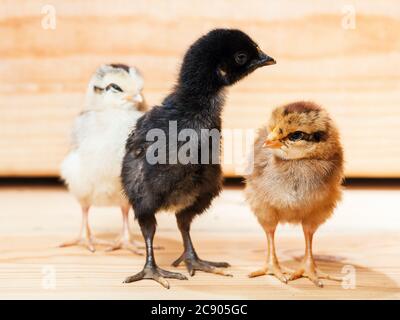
(355, 73)
(228, 232)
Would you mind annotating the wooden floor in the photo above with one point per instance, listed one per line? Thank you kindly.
(362, 236)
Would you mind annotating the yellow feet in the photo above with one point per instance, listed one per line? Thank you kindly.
(310, 270)
(272, 269)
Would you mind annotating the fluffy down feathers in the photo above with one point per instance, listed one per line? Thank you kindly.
(305, 188)
(209, 66)
(92, 169)
(93, 166)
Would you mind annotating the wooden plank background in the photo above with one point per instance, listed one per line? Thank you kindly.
(355, 73)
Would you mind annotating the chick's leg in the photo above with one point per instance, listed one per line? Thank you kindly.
(272, 266)
(308, 267)
(85, 237)
(124, 241)
(189, 255)
(150, 269)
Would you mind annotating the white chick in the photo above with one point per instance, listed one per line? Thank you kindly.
(92, 169)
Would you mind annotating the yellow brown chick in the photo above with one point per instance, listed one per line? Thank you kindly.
(298, 169)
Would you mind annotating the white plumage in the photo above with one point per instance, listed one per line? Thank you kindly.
(92, 168)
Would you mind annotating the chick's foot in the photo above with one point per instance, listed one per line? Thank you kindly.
(311, 271)
(132, 246)
(157, 274)
(194, 263)
(272, 269)
(87, 242)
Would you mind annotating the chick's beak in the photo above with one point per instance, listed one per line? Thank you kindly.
(138, 98)
(263, 60)
(272, 144)
(266, 60)
(273, 140)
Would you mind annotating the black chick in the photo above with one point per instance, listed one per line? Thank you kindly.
(216, 60)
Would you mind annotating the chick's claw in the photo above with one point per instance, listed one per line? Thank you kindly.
(195, 264)
(310, 274)
(270, 270)
(314, 274)
(157, 274)
(206, 266)
(323, 275)
(218, 264)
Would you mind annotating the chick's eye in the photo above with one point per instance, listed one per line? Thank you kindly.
(241, 58)
(295, 136)
(114, 86)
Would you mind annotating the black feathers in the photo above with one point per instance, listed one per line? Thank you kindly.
(213, 61)
(195, 104)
